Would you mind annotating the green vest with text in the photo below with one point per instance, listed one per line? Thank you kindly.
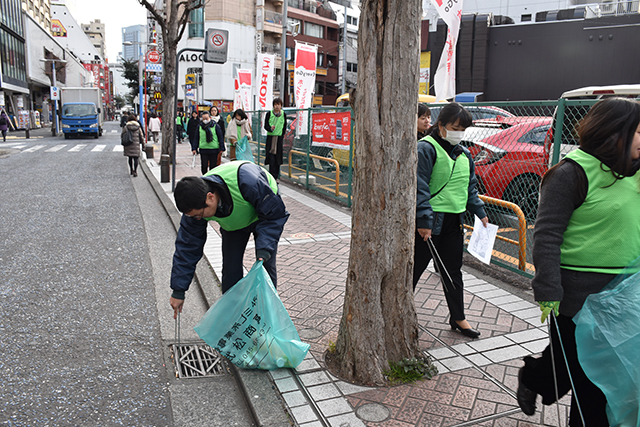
(276, 123)
(449, 181)
(213, 145)
(603, 234)
(243, 213)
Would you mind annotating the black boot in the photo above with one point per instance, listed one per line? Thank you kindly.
(526, 397)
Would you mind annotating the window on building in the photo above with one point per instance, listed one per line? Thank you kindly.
(352, 20)
(352, 66)
(196, 23)
(525, 18)
(293, 23)
(313, 30)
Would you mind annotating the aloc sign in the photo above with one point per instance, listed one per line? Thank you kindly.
(194, 57)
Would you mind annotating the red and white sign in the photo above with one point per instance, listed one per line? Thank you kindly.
(244, 87)
(153, 57)
(264, 82)
(331, 130)
(445, 78)
(304, 82)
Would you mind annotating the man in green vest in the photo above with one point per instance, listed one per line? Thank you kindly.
(179, 127)
(244, 199)
(275, 123)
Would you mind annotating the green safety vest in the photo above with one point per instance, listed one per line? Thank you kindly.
(603, 234)
(243, 213)
(276, 123)
(449, 181)
(203, 138)
(178, 120)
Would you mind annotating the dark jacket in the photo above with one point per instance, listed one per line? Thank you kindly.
(5, 126)
(425, 216)
(208, 128)
(133, 149)
(192, 235)
(277, 158)
(192, 126)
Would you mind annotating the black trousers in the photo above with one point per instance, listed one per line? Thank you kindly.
(208, 159)
(234, 243)
(449, 245)
(133, 163)
(537, 375)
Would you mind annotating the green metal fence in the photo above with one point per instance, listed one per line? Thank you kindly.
(513, 144)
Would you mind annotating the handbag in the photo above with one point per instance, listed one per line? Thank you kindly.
(126, 138)
(250, 326)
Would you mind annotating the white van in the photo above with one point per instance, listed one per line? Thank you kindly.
(600, 92)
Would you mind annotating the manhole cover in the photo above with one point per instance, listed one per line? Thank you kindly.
(310, 333)
(302, 236)
(373, 412)
(196, 361)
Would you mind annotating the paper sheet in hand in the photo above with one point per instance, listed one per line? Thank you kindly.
(193, 162)
(482, 240)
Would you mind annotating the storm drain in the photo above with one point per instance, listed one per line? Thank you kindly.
(196, 361)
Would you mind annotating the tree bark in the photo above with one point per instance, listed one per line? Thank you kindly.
(379, 322)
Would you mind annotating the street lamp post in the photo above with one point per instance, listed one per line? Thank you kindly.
(55, 101)
(142, 96)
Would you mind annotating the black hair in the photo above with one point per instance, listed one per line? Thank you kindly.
(191, 193)
(451, 113)
(423, 109)
(240, 112)
(217, 111)
(277, 101)
(607, 132)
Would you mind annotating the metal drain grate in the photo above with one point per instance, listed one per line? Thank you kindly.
(196, 361)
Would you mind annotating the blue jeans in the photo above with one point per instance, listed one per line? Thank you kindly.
(234, 244)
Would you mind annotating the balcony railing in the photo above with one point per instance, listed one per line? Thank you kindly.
(272, 17)
(271, 48)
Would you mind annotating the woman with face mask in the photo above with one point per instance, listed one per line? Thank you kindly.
(446, 189)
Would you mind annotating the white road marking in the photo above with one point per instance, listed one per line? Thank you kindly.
(78, 147)
(32, 149)
(56, 148)
(99, 147)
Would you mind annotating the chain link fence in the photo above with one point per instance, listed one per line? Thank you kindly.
(513, 144)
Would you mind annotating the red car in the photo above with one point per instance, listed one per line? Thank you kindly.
(510, 163)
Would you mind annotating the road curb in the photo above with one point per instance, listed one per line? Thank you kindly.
(257, 387)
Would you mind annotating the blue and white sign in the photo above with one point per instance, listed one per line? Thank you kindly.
(154, 68)
(55, 93)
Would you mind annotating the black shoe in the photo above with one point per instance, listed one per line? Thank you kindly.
(134, 173)
(526, 397)
(471, 333)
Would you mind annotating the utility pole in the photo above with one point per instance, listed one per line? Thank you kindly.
(344, 53)
(283, 54)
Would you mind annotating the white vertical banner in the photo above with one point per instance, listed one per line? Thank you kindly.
(244, 83)
(237, 101)
(445, 78)
(264, 82)
(304, 82)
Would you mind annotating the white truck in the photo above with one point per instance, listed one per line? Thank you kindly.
(82, 112)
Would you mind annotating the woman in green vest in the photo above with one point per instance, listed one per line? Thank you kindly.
(446, 189)
(211, 143)
(587, 231)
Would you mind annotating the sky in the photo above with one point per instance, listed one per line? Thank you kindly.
(115, 14)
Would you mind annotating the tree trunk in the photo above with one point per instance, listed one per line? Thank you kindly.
(379, 322)
(170, 36)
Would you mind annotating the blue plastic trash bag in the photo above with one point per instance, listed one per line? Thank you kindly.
(250, 326)
(243, 150)
(608, 342)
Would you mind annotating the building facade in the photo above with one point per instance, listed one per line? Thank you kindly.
(39, 10)
(134, 34)
(95, 30)
(13, 76)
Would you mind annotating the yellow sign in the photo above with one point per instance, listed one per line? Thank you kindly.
(57, 29)
(190, 79)
(425, 68)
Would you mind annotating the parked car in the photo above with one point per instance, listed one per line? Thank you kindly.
(510, 163)
(479, 113)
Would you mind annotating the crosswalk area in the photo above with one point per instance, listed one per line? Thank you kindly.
(69, 148)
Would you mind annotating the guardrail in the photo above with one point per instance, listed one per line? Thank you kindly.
(326, 159)
(522, 228)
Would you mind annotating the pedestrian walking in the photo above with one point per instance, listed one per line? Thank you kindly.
(275, 124)
(132, 151)
(4, 125)
(192, 132)
(215, 117)
(210, 143)
(238, 128)
(446, 189)
(179, 127)
(155, 127)
(244, 199)
(587, 231)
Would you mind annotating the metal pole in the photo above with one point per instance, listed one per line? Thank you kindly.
(55, 101)
(146, 128)
(283, 52)
(140, 100)
(344, 53)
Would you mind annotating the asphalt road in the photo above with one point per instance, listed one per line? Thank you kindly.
(85, 320)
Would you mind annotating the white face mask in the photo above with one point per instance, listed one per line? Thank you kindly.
(454, 137)
(207, 121)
